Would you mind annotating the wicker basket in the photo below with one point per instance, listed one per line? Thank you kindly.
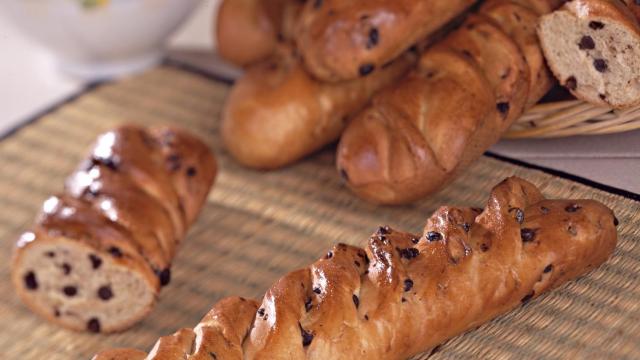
(573, 117)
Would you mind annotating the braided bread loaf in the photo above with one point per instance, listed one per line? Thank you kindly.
(593, 48)
(100, 251)
(248, 31)
(277, 113)
(404, 294)
(341, 40)
(466, 91)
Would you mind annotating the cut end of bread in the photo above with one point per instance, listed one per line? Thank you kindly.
(596, 58)
(80, 288)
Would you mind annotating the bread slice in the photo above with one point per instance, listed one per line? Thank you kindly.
(593, 48)
(501, 60)
(519, 22)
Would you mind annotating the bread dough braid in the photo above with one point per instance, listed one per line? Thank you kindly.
(99, 252)
(404, 294)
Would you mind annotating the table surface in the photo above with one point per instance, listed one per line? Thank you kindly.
(31, 83)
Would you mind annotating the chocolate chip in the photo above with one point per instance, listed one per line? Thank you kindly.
(30, 281)
(544, 210)
(308, 304)
(164, 276)
(261, 312)
(374, 37)
(112, 162)
(356, 301)
(329, 255)
(317, 290)
(600, 65)
(527, 234)
(466, 227)
(317, 4)
(70, 290)
(95, 261)
(519, 215)
(408, 284)
(587, 43)
(191, 171)
(602, 96)
(56, 313)
(596, 25)
(66, 268)
(548, 269)
(344, 175)
(115, 251)
(105, 293)
(307, 336)
(366, 69)
(571, 83)
(93, 325)
(572, 208)
(357, 263)
(484, 247)
(434, 236)
(366, 317)
(50, 254)
(415, 240)
(383, 230)
(503, 108)
(404, 300)
(527, 297)
(409, 253)
(616, 222)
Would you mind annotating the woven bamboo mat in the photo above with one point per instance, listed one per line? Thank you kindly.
(258, 226)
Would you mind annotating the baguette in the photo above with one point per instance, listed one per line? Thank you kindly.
(593, 48)
(404, 294)
(343, 40)
(417, 135)
(100, 251)
(276, 113)
(248, 31)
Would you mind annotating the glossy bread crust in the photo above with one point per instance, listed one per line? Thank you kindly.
(403, 148)
(345, 39)
(99, 252)
(404, 294)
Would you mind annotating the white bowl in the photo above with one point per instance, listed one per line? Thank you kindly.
(97, 39)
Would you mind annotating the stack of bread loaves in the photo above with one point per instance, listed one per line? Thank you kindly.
(411, 117)
(101, 250)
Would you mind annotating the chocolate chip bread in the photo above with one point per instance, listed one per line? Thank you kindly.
(345, 39)
(418, 134)
(276, 113)
(593, 48)
(100, 251)
(248, 31)
(404, 294)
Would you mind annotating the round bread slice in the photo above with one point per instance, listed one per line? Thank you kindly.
(82, 271)
(501, 60)
(593, 48)
(520, 23)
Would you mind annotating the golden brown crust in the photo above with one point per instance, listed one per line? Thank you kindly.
(404, 294)
(114, 232)
(264, 127)
(341, 40)
(404, 147)
(248, 31)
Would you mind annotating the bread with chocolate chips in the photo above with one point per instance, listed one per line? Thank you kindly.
(404, 294)
(100, 251)
(593, 48)
(346, 39)
(420, 133)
